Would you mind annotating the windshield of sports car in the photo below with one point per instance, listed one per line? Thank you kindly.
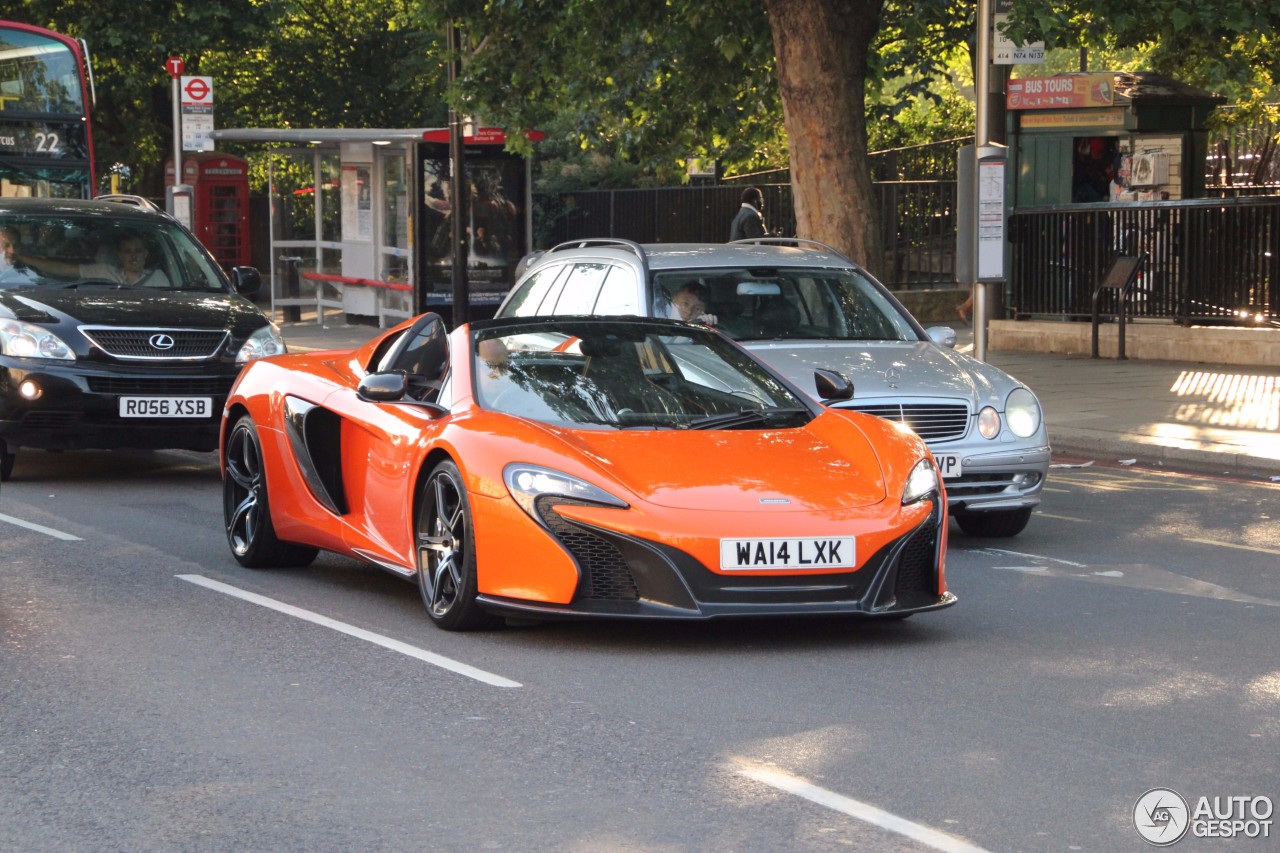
(604, 374)
(56, 250)
(783, 303)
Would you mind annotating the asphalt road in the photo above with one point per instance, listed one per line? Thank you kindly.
(1126, 641)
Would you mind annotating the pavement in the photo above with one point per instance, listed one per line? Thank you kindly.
(1177, 416)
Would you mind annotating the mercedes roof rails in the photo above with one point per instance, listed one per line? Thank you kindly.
(794, 241)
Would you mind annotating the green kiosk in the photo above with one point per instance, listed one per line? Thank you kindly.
(1109, 136)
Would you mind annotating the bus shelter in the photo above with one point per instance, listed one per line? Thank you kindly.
(361, 219)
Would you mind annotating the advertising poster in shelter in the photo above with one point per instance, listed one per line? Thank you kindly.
(494, 214)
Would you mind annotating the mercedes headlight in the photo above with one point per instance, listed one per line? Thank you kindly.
(1022, 412)
(262, 343)
(527, 483)
(921, 482)
(25, 340)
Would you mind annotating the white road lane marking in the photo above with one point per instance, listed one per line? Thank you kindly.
(352, 631)
(1035, 557)
(865, 812)
(1132, 575)
(39, 528)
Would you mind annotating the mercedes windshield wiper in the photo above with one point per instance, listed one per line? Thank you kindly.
(744, 417)
(88, 282)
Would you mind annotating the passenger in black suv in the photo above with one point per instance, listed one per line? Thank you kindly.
(130, 266)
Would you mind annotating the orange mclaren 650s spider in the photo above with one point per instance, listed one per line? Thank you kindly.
(582, 467)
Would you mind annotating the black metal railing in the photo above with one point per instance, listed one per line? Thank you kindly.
(918, 221)
(663, 215)
(927, 161)
(1243, 151)
(1208, 260)
(918, 224)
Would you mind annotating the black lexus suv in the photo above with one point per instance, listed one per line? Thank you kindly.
(117, 329)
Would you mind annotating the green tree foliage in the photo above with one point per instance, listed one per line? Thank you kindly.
(640, 84)
(915, 55)
(659, 81)
(651, 82)
(275, 63)
(129, 43)
(648, 82)
(1228, 46)
(334, 63)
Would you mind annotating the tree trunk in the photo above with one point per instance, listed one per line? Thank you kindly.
(821, 48)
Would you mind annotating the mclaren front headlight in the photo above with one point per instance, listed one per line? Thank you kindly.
(26, 340)
(1022, 413)
(527, 483)
(922, 482)
(262, 343)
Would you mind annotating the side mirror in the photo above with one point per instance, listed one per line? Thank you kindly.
(383, 387)
(832, 386)
(394, 387)
(943, 336)
(246, 280)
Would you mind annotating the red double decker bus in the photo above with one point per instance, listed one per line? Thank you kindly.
(46, 92)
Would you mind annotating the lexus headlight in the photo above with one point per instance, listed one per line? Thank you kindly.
(527, 483)
(921, 482)
(1022, 412)
(264, 342)
(24, 340)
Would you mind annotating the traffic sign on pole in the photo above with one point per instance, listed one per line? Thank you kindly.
(197, 91)
(175, 66)
(197, 113)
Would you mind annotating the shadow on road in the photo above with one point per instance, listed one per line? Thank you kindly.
(117, 466)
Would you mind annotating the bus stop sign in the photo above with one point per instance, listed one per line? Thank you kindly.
(197, 91)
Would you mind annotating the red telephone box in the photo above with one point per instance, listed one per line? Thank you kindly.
(220, 206)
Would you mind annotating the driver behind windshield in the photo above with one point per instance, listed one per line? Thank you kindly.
(690, 304)
(11, 272)
(131, 268)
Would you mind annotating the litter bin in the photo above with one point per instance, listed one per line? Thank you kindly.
(291, 287)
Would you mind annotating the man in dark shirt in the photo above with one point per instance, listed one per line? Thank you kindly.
(750, 221)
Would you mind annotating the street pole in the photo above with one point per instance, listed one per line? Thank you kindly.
(982, 138)
(177, 197)
(177, 138)
(457, 196)
(175, 66)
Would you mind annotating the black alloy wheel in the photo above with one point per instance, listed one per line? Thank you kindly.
(994, 524)
(245, 510)
(446, 553)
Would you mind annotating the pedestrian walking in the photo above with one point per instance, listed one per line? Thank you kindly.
(749, 222)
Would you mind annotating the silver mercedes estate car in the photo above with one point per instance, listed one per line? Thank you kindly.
(800, 306)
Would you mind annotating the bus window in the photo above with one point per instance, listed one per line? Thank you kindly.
(46, 143)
